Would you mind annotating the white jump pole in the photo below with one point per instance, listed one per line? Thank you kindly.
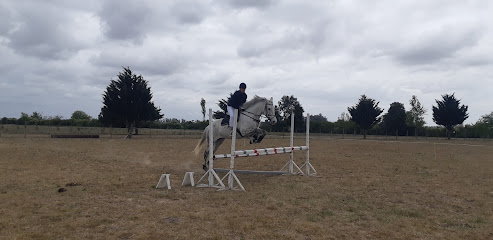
(291, 144)
(291, 164)
(231, 174)
(210, 172)
(307, 164)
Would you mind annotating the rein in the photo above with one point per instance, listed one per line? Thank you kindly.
(254, 118)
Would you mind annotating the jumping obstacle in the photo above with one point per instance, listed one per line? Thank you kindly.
(231, 172)
(211, 173)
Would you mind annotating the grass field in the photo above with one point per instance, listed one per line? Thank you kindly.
(366, 190)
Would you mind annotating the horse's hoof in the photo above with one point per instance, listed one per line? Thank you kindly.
(204, 167)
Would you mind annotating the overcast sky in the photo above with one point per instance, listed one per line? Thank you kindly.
(59, 56)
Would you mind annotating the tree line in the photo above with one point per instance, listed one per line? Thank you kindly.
(127, 102)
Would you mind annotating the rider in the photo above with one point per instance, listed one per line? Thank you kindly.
(238, 98)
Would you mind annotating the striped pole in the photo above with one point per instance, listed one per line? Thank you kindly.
(261, 152)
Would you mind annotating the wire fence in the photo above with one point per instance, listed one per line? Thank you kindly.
(44, 131)
(16, 131)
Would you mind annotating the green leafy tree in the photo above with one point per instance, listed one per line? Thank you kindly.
(449, 113)
(288, 105)
(24, 118)
(365, 113)
(80, 115)
(318, 118)
(127, 101)
(487, 119)
(395, 119)
(415, 116)
(202, 104)
(36, 116)
(484, 126)
(342, 122)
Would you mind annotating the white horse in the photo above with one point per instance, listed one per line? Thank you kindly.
(247, 127)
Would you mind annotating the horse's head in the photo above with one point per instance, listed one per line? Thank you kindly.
(270, 111)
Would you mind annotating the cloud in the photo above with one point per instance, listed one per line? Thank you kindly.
(250, 3)
(435, 45)
(46, 34)
(124, 20)
(59, 56)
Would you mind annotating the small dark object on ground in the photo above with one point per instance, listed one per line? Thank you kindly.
(72, 184)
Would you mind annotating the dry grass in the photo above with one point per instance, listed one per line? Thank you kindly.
(367, 190)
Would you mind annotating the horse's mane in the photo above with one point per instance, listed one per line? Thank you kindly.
(250, 103)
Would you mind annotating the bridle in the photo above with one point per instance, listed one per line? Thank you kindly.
(254, 116)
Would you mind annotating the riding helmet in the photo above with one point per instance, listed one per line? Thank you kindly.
(242, 85)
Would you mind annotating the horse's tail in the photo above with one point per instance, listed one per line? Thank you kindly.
(197, 149)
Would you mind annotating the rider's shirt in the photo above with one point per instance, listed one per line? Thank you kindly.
(237, 99)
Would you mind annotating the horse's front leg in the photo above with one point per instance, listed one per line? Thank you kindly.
(261, 135)
(258, 136)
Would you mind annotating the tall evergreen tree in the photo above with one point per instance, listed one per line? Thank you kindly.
(395, 119)
(127, 101)
(448, 113)
(365, 114)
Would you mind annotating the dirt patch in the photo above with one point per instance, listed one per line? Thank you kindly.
(366, 190)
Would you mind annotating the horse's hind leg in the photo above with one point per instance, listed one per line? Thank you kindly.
(206, 163)
(206, 153)
(218, 143)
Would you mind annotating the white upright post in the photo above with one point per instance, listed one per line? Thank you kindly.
(307, 144)
(211, 150)
(291, 164)
(291, 144)
(210, 172)
(231, 174)
(310, 170)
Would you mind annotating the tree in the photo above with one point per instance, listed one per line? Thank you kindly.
(414, 117)
(288, 105)
(484, 125)
(202, 104)
(80, 115)
(365, 114)
(448, 113)
(24, 118)
(127, 101)
(487, 119)
(318, 118)
(343, 119)
(36, 116)
(395, 119)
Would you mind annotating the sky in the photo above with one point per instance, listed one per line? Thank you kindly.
(59, 56)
